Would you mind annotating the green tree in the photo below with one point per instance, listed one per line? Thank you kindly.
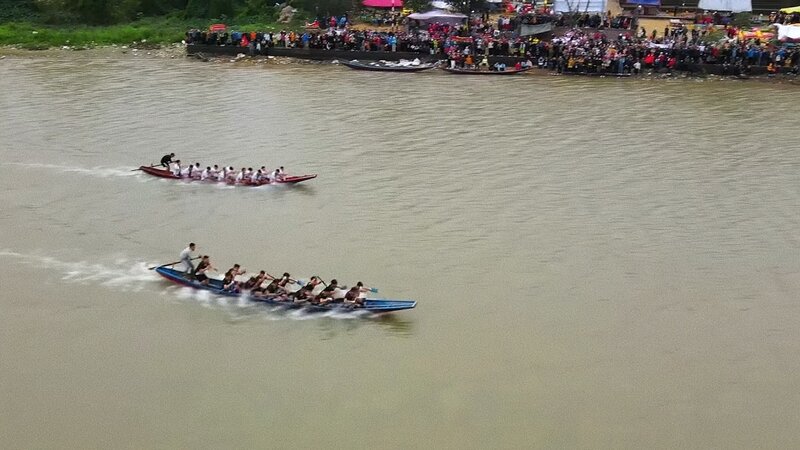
(417, 5)
(197, 8)
(220, 9)
(93, 12)
(742, 20)
(324, 7)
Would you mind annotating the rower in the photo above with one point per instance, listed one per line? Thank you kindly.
(283, 281)
(186, 172)
(229, 282)
(212, 172)
(304, 293)
(186, 258)
(240, 176)
(270, 290)
(167, 159)
(236, 270)
(196, 173)
(277, 174)
(204, 174)
(353, 296)
(230, 176)
(255, 281)
(255, 177)
(200, 273)
(326, 295)
(176, 168)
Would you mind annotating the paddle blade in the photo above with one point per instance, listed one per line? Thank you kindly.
(373, 290)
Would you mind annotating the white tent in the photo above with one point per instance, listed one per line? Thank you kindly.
(579, 6)
(726, 5)
(438, 16)
(788, 31)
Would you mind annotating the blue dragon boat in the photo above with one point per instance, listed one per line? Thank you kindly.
(372, 305)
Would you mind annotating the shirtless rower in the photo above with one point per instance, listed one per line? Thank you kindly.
(303, 294)
(353, 296)
(270, 290)
(229, 282)
(326, 295)
(201, 272)
(283, 281)
(255, 281)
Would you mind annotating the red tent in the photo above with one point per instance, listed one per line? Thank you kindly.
(383, 3)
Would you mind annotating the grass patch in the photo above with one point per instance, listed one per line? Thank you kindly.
(162, 30)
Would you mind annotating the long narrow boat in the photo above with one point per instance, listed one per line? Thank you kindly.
(458, 71)
(384, 66)
(215, 286)
(163, 173)
(597, 74)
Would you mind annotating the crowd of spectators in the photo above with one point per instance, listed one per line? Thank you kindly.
(600, 43)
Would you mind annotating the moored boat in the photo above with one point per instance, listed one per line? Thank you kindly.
(160, 172)
(460, 71)
(215, 286)
(387, 66)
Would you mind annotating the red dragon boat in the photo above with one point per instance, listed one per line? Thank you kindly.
(160, 172)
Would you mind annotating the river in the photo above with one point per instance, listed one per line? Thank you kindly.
(598, 263)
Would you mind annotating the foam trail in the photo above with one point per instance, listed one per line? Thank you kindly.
(121, 274)
(134, 276)
(97, 171)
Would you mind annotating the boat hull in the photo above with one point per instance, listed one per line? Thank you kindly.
(380, 68)
(163, 173)
(215, 286)
(484, 72)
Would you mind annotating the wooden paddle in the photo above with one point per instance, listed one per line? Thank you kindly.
(171, 264)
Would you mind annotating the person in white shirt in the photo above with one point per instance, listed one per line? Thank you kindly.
(176, 168)
(212, 173)
(240, 176)
(255, 177)
(186, 258)
(196, 172)
(204, 174)
(185, 171)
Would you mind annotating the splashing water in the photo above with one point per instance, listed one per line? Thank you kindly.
(121, 274)
(134, 276)
(98, 171)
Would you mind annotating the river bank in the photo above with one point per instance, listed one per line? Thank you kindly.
(178, 50)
